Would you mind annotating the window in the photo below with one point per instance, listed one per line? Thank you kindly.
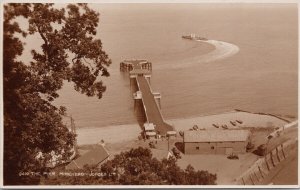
(212, 147)
(197, 148)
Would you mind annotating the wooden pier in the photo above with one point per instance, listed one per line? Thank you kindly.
(140, 74)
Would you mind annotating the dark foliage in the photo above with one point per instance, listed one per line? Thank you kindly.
(68, 52)
(138, 167)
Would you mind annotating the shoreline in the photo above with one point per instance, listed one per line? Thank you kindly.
(114, 134)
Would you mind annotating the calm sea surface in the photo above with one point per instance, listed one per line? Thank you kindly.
(262, 77)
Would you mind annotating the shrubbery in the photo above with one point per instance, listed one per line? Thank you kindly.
(138, 167)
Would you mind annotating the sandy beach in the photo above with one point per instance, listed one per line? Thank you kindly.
(125, 133)
(110, 134)
(248, 119)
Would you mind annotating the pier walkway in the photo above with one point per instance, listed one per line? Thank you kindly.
(152, 110)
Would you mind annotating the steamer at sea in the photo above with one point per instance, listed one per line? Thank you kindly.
(194, 37)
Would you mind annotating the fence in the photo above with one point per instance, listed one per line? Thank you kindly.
(260, 169)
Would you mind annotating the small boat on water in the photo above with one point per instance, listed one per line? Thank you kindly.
(193, 37)
(233, 123)
(216, 126)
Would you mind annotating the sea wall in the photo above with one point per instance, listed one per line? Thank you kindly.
(260, 113)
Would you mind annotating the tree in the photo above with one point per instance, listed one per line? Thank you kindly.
(138, 167)
(69, 52)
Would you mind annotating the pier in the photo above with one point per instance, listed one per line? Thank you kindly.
(139, 75)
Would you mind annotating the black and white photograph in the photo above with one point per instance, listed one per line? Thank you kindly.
(149, 94)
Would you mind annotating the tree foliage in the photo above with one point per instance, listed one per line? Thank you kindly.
(138, 167)
(69, 52)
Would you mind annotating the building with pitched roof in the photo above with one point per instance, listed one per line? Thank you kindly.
(93, 158)
(216, 141)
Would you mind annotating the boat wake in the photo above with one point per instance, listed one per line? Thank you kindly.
(222, 50)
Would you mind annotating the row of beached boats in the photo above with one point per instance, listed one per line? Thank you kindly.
(196, 128)
(233, 123)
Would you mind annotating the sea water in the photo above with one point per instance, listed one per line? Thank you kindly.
(261, 77)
